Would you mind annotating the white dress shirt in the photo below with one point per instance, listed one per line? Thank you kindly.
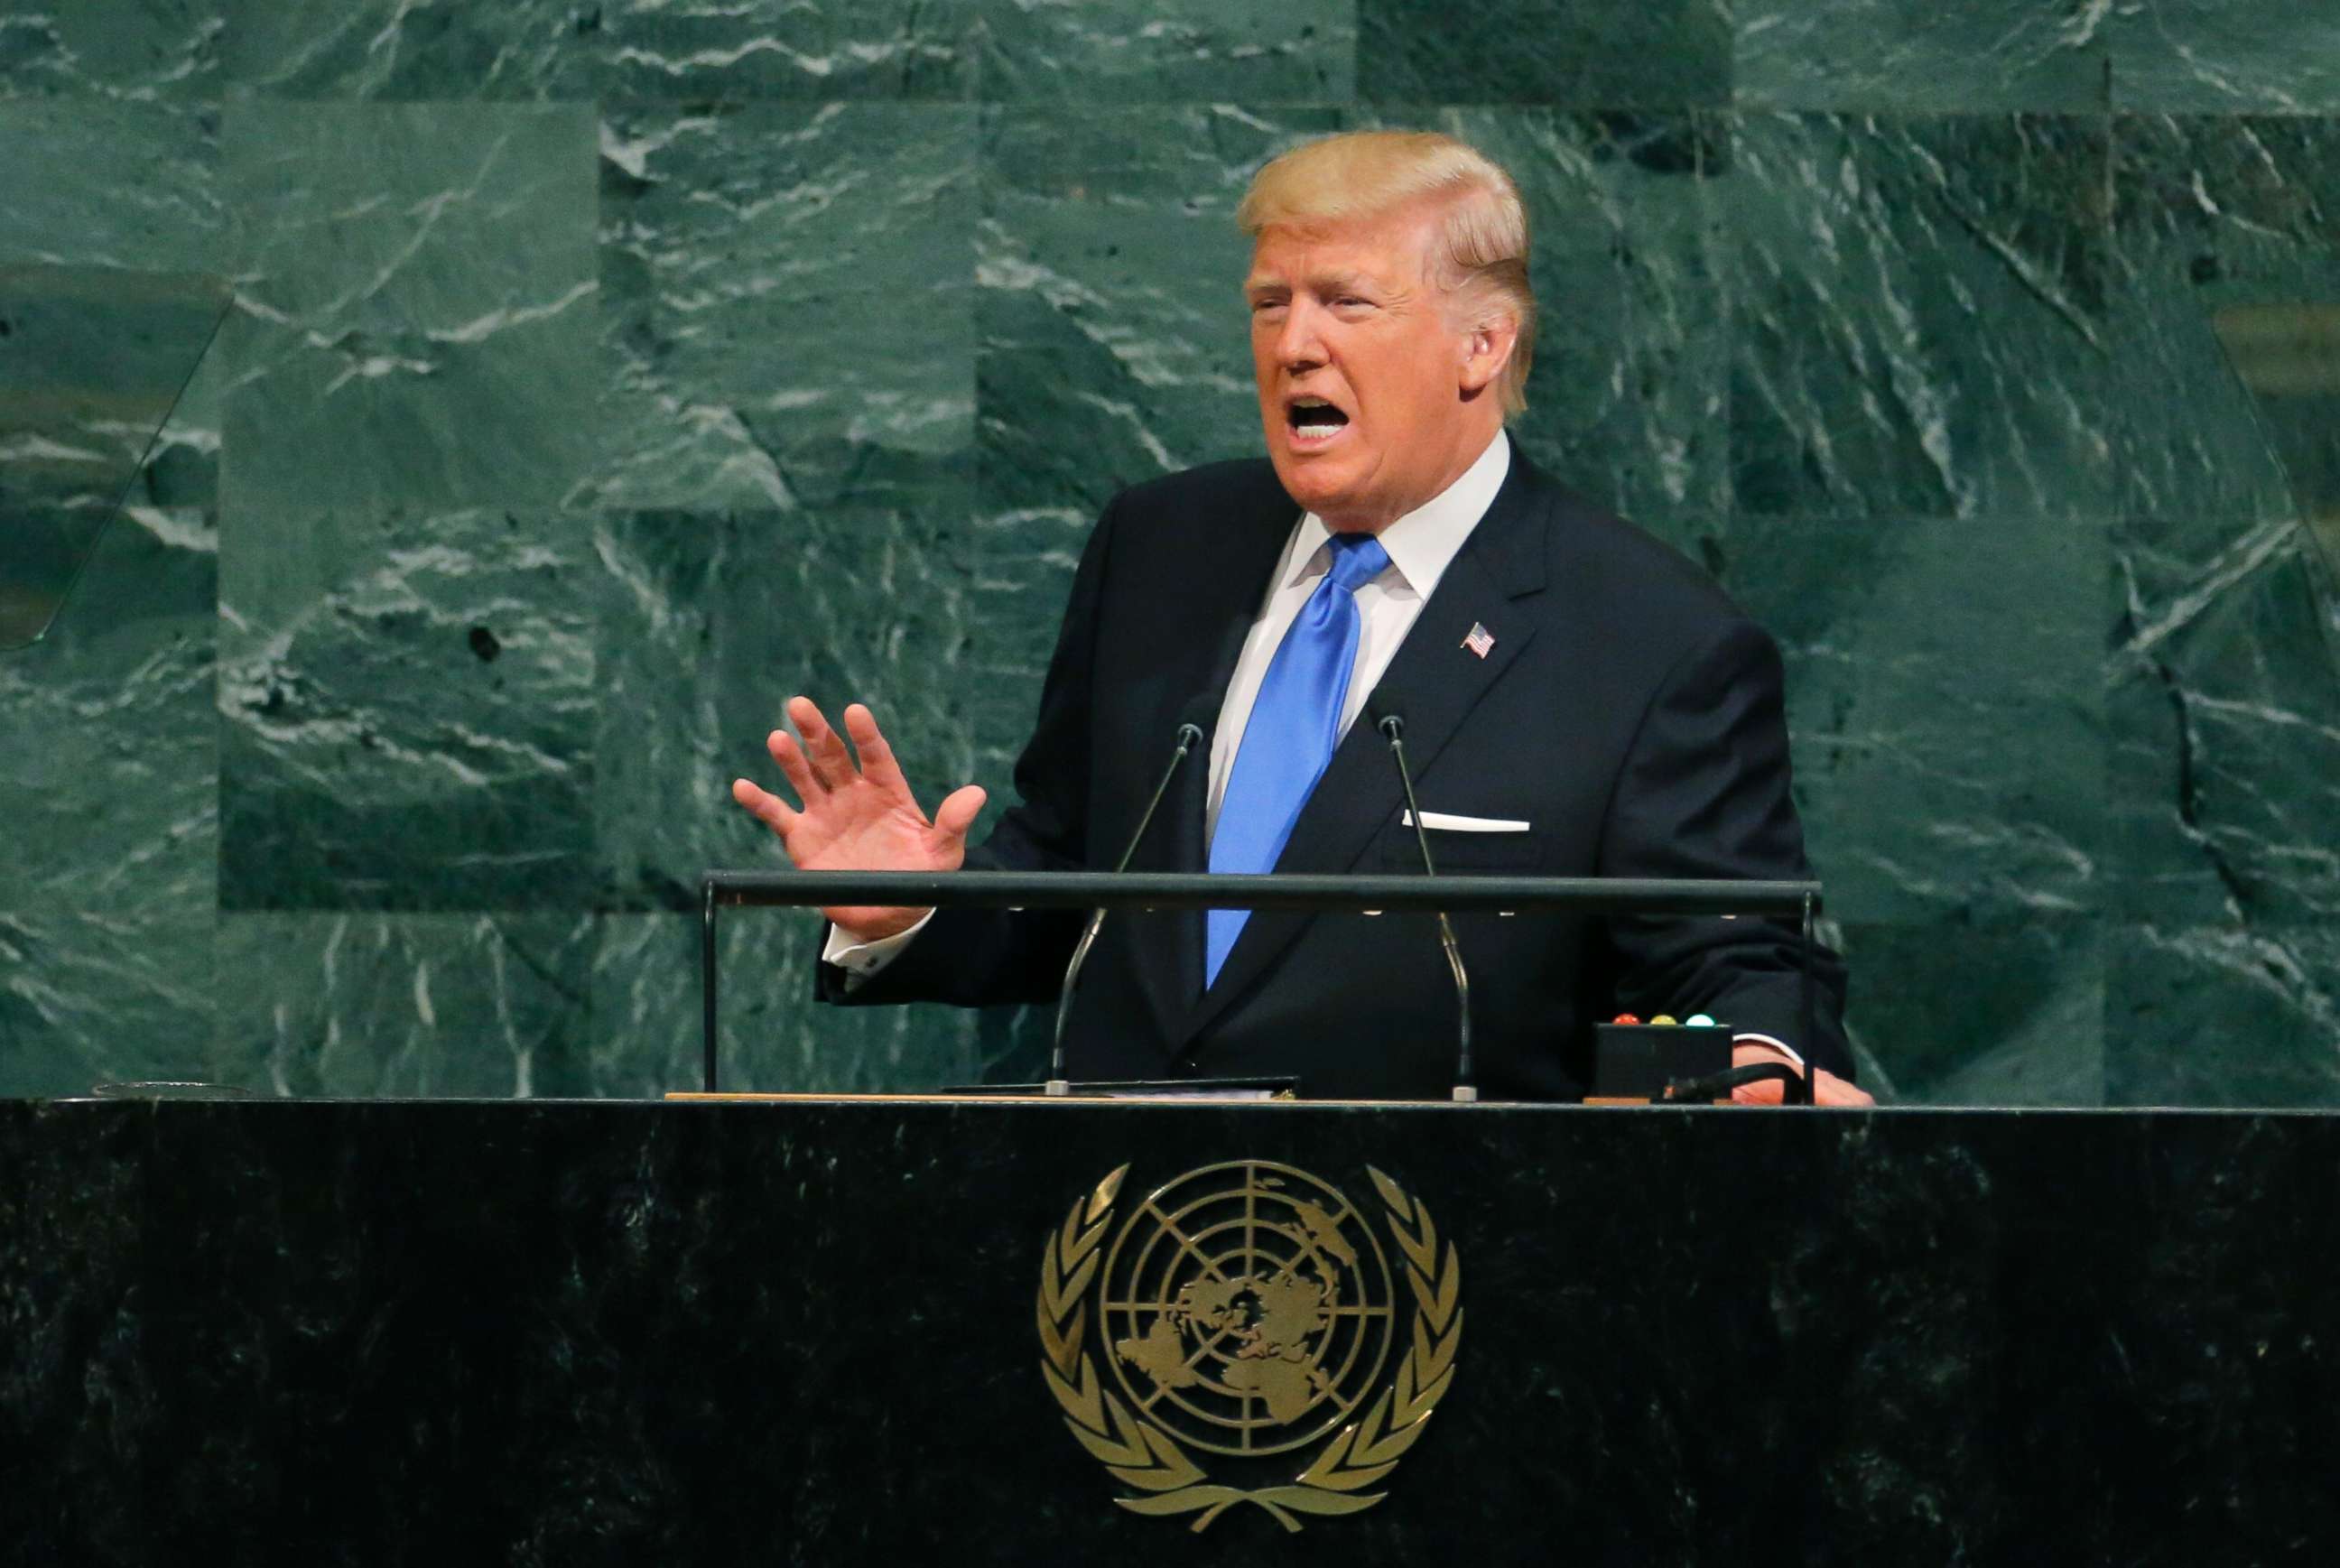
(1421, 544)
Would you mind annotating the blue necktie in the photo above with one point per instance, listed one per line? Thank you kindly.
(1289, 739)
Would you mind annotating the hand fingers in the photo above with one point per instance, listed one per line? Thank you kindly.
(823, 746)
(1828, 1089)
(1833, 1091)
(1753, 1053)
(877, 763)
(765, 806)
(959, 810)
(794, 766)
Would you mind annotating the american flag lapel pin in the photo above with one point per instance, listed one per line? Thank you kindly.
(1480, 641)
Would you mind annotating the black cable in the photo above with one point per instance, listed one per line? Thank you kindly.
(1714, 1085)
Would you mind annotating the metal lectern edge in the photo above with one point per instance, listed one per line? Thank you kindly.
(1137, 889)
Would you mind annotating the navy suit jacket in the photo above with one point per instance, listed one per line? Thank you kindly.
(1627, 711)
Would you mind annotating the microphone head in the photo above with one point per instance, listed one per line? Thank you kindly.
(1189, 735)
(1391, 725)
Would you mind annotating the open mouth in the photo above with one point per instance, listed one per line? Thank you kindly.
(1313, 420)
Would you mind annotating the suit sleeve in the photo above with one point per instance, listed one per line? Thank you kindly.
(1705, 793)
(982, 957)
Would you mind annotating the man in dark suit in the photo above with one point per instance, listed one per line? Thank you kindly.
(1577, 700)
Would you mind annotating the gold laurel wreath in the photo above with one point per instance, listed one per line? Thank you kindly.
(1140, 1454)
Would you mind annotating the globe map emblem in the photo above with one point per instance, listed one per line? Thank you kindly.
(1246, 1308)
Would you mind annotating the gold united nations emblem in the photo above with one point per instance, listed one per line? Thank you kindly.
(1245, 1311)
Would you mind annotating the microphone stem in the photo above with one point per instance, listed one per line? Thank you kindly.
(1464, 1089)
(1057, 1084)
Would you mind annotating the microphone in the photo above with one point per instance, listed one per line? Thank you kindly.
(1189, 735)
(1393, 727)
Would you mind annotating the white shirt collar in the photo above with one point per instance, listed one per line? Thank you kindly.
(1424, 542)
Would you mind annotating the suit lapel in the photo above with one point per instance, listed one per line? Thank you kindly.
(1226, 603)
(1432, 683)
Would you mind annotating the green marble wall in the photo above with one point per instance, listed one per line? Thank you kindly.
(602, 373)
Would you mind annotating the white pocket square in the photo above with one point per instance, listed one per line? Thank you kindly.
(1448, 822)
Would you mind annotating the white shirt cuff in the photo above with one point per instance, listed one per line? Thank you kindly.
(861, 960)
(1780, 1045)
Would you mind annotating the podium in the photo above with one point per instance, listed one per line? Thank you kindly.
(819, 1330)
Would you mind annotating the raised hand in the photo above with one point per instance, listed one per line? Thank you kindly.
(857, 818)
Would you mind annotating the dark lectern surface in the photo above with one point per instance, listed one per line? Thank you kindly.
(806, 1332)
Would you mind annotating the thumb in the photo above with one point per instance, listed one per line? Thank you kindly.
(958, 812)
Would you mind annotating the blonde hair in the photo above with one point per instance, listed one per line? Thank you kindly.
(1482, 248)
